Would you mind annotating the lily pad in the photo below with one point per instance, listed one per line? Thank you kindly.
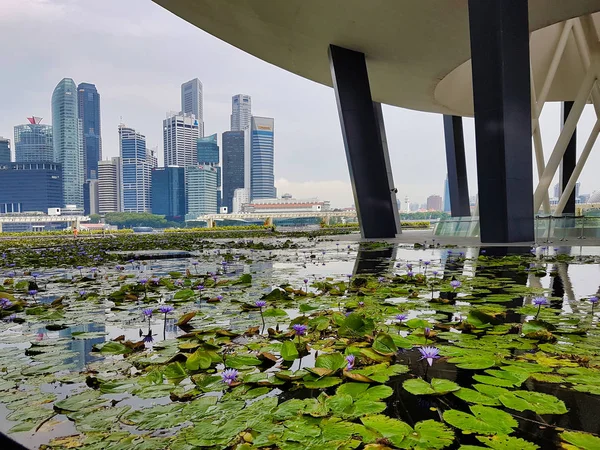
(484, 420)
(438, 386)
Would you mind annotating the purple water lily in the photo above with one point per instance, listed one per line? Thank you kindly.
(300, 329)
(148, 312)
(455, 284)
(260, 303)
(5, 303)
(593, 301)
(410, 274)
(401, 317)
(539, 301)
(33, 293)
(429, 354)
(10, 318)
(350, 359)
(228, 376)
(166, 309)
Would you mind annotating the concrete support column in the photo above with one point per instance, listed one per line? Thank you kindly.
(568, 163)
(364, 140)
(457, 166)
(499, 32)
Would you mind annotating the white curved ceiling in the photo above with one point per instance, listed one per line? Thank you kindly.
(411, 45)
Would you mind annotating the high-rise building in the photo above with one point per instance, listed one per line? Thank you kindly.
(192, 102)
(557, 191)
(4, 150)
(137, 170)
(447, 206)
(241, 112)
(180, 136)
(90, 196)
(201, 191)
(434, 203)
(208, 153)
(68, 140)
(33, 141)
(233, 165)
(34, 186)
(89, 113)
(110, 191)
(262, 177)
(168, 192)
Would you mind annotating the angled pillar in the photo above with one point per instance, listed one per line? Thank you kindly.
(499, 33)
(568, 163)
(366, 148)
(457, 166)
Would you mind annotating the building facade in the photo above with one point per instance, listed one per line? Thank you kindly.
(241, 112)
(168, 192)
(33, 141)
(192, 102)
(89, 113)
(4, 150)
(447, 206)
(208, 153)
(26, 187)
(68, 140)
(287, 204)
(434, 203)
(201, 191)
(137, 170)
(180, 136)
(262, 176)
(233, 165)
(110, 198)
(90, 196)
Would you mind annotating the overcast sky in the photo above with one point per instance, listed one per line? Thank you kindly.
(138, 54)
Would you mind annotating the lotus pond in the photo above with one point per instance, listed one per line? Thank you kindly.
(295, 344)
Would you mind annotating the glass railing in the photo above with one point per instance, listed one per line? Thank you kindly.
(548, 228)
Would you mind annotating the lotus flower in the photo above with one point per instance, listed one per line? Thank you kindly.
(300, 329)
(228, 376)
(429, 354)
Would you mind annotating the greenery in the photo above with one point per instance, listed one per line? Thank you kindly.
(130, 220)
(425, 215)
(404, 224)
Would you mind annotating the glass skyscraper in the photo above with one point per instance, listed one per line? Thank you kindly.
(26, 187)
(201, 191)
(137, 167)
(208, 153)
(262, 176)
(68, 140)
(180, 136)
(89, 113)
(168, 192)
(192, 101)
(33, 141)
(233, 165)
(4, 150)
(241, 111)
(447, 207)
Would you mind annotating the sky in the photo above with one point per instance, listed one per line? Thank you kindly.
(138, 55)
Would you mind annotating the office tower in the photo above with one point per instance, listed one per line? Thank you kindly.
(240, 198)
(33, 141)
(434, 203)
(180, 134)
(90, 197)
(137, 166)
(233, 165)
(34, 186)
(68, 141)
(208, 153)
(89, 113)
(447, 207)
(4, 150)
(262, 177)
(168, 192)
(241, 111)
(201, 191)
(192, 102)
(110, 191)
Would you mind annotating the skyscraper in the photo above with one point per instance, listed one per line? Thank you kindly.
(208, 153)
(192, 101)
(137, 166)
(434, 203)
(201, 190)
(168, 192)
(33, 141)
(447, 207)
(262, 177)
(110, 177)
(233, 165)
(90, 196)
(30, 187)
(241, 112)
(89, 113)
(4, 150)
(68, 140)
(180, 136)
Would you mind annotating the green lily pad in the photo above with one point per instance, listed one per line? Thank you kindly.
(76, 402)
(506, 443)
(438, 386)
(289, 352)
(484, 420)
(582, 441)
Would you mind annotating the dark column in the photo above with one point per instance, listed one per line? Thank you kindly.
(568, 162)
(501, 95)
(367, 160)
(457, 166)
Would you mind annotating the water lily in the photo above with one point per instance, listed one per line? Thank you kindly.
(306, 285)
(455, 284)
(429, 354)
(261, 304)
(228, 376)
(148, 338)
(166, 309)
(410, 274)
(300, 329)
(10, 318)
(539, 301)
(5, 303)
(33, 293)
(381, 279)
(350, 362)
(593, 301)
(401, 317)
(148, 312)
(82, 293)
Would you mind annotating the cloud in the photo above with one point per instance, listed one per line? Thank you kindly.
(40, 10)
(338, 192)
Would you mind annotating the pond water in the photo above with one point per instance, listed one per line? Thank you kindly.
(127, 352)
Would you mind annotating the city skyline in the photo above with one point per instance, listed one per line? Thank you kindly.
(309, 160)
